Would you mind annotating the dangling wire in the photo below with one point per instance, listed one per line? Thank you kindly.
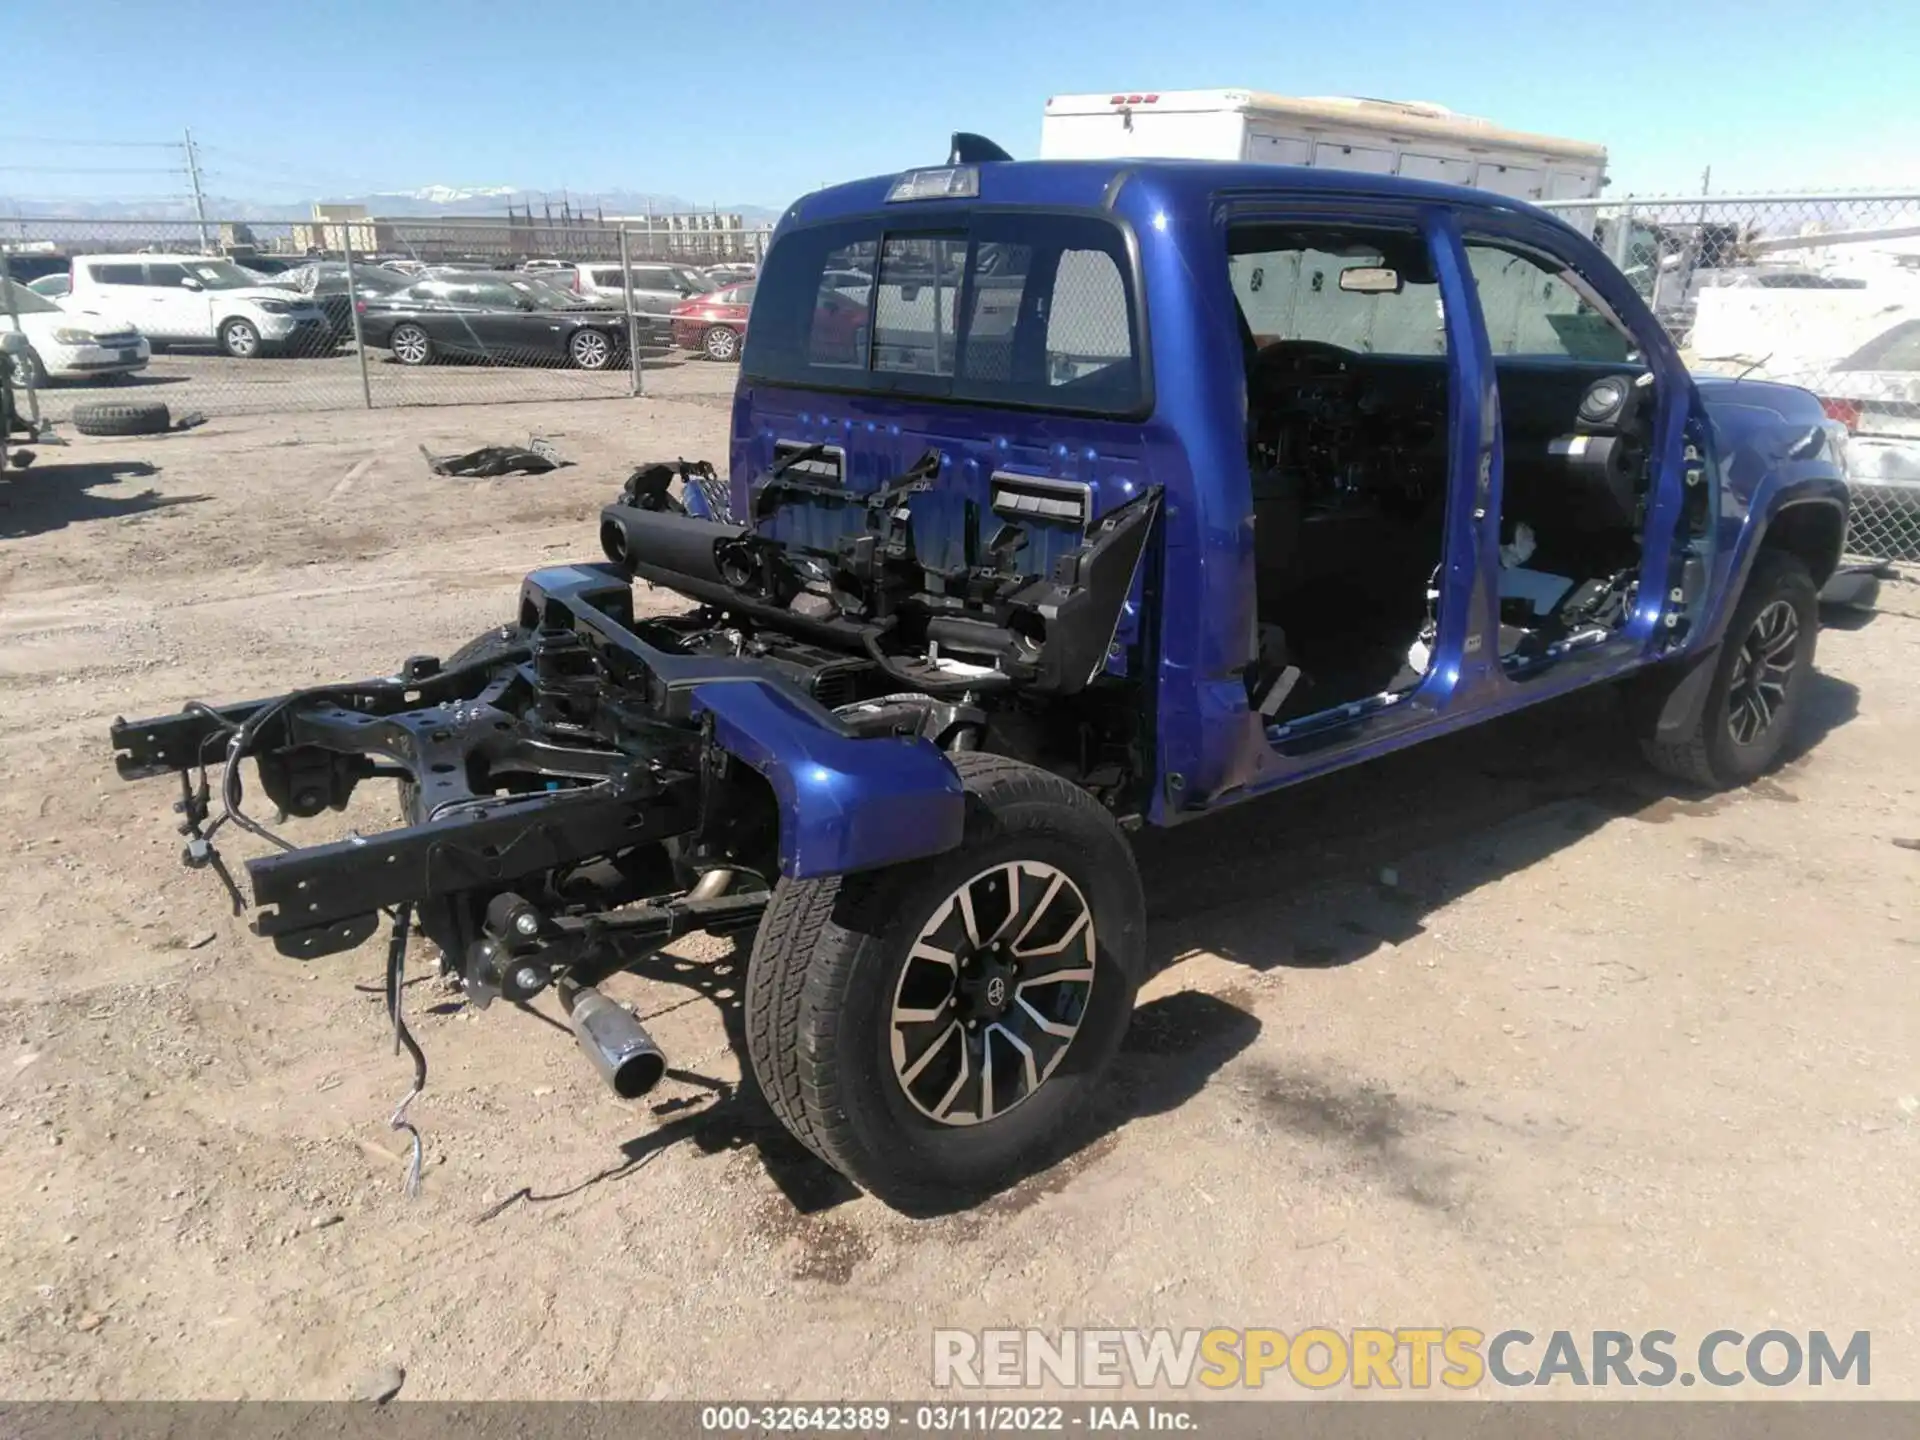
(194, 804)
(402, 1036)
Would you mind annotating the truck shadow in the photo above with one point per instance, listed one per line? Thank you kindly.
(53, 494)
(1174, 1044)
(1310, 877)
(1250, 889)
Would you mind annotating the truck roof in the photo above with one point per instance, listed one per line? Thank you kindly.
(1098, 184)
(1406, 119)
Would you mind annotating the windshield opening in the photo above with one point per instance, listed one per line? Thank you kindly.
(219, 274)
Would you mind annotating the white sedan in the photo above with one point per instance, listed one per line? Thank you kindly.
(76, 343)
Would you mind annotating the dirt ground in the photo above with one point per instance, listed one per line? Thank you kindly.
(1498, 1032)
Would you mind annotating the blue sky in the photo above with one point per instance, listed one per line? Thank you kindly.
(755, 102)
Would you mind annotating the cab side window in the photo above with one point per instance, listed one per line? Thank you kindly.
(116, 274)
(1535, 309)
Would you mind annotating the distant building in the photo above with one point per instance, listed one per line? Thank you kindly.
(334, 228)
(701, 234)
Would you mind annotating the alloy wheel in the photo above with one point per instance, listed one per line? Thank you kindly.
(591, 350)
(1762, 672)
(411, 344)
(993, 991)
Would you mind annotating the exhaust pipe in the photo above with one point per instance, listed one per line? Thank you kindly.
(712, 884)
(620, 1049)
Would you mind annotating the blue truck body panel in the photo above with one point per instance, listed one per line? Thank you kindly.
(1756, 444)
(845, 804)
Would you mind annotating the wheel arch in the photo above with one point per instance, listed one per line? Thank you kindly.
(1813, 529)
(845, 804)
(1808, 522)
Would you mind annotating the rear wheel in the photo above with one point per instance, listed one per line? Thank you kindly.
(720, 343)
(240, 339)
(932, 1029)
(1759, 677)
(410, 345)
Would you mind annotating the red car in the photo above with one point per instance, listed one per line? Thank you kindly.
(715, 324)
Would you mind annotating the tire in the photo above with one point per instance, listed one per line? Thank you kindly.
(833, 960)
(720, 343)
(29, 371)
(489, 645)
(240, 339)
(122, 417)
(591, 349)
(411, 345)
(1774, 625)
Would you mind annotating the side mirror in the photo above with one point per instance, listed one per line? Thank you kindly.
(909, 294)
(190, 283)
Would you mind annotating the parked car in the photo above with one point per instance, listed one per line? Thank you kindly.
(24, 267)
(52, 286)
(325, 283)
(70, 341)
(1269, 471)
(657, 288)
(714, 324)
(506, 316)
(1875, 393)
(269, 264)
(196, 299)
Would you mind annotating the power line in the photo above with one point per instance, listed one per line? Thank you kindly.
(90, 170)
(313, 178)
(88, 144)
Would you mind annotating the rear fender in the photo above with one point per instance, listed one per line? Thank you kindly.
(845, 803)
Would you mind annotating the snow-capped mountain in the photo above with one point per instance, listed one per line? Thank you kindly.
(454, 194)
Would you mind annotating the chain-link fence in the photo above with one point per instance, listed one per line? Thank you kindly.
(1821, 290)
(1818, 290)
(250, 317)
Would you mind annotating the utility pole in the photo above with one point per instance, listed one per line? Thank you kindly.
(199, 200)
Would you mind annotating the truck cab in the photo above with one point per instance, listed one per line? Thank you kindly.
(1416, 455)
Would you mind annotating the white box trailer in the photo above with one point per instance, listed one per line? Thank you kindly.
(1381, 137)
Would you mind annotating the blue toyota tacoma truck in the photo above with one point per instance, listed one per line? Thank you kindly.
(1063, 498)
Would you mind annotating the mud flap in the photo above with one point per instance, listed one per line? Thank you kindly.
(1665, 702)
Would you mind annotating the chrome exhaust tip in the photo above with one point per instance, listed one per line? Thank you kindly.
(616, 1043)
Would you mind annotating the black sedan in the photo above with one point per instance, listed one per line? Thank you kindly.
(497, 316)
(325, 282)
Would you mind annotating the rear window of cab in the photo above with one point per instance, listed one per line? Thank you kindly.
(1030, 310)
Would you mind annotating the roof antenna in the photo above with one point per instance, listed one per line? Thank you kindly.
(971, 149)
